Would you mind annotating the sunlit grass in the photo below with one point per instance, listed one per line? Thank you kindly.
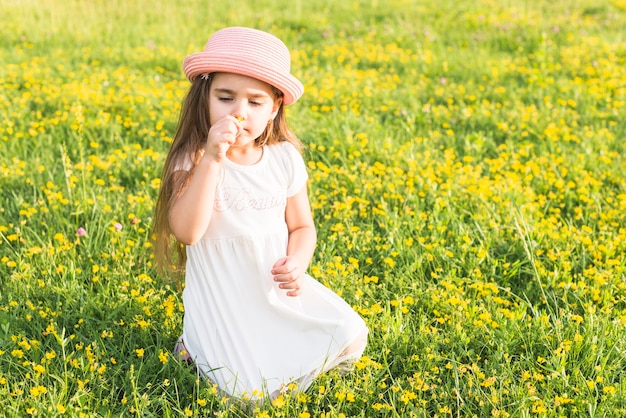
(467, 179)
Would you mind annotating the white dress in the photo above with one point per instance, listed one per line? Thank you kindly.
(242, 331)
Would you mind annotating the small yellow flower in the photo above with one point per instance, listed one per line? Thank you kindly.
(139, 352)
(37, 390)
(279, 402)
(39, 369)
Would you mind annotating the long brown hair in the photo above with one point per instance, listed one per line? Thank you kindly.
(187, 146)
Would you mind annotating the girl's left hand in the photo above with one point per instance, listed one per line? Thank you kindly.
(288, 274)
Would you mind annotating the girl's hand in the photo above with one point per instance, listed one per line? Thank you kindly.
(287, 273)
(222, 135)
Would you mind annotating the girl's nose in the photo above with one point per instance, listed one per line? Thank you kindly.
(239, 110)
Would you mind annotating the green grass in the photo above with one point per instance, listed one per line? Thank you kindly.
(468, 182)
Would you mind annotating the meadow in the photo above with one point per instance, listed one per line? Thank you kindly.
(467, 177)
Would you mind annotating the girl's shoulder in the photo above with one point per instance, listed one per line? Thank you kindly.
(285, 146)
(286, 155)
(284, 150)
(288, 158)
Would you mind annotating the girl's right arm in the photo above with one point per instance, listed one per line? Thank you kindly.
(190, 213)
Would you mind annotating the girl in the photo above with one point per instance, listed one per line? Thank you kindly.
(234, 196)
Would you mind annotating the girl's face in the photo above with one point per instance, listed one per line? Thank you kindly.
(247, 99)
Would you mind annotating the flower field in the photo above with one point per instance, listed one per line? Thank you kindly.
(467, 175)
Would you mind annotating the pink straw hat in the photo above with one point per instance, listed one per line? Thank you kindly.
(248, 52)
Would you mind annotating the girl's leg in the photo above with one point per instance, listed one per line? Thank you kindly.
(345, 361)
(181, 353)
(357, 346)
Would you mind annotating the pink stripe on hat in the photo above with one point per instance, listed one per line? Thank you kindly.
(248, 52)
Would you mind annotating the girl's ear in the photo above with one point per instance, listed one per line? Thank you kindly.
(277, 104)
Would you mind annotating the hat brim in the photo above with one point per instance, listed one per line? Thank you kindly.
(204, 63)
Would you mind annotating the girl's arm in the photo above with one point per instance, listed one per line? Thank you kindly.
(300, 246)
(190, 213)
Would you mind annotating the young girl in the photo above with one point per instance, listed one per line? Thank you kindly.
(234, 193)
